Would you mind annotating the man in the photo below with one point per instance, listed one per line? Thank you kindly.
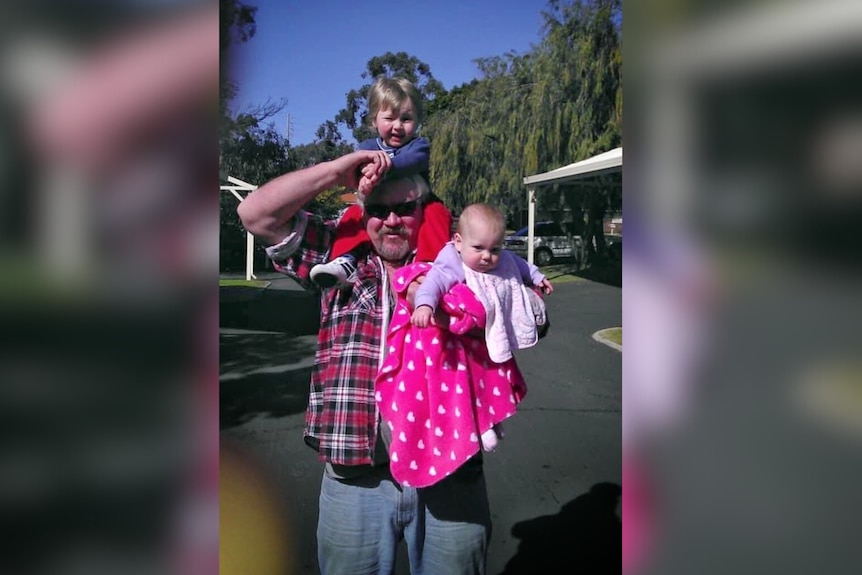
(363, 512)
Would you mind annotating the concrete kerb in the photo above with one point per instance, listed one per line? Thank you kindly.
(600, 337)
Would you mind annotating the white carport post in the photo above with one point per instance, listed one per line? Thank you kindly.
(531, 221)
(249, 239)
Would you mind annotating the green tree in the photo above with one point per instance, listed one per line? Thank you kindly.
(236, 24)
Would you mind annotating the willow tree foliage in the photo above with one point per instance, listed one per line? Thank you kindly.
(556, 104)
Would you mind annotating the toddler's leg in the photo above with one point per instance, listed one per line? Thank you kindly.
(340, 272)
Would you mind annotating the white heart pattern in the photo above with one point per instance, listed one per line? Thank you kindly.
(432, 471)
(496, 391)
(457, 412)
(437, 452)
(438, 432)
(413, 465)
(402, 437)
(419, 344)
(444, 387)
(410, 365)
(441, 410)
(420, 444)
(395, 456)
(401, 386)
(394, 406)
(410, 417)
(419, 396)
(458, 388)
(474, 438)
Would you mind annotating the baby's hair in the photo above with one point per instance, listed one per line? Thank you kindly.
(484, 214)
(392, 93)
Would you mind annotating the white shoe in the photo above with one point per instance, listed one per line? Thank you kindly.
(339, 272)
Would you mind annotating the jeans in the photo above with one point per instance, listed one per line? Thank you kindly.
(446, 526)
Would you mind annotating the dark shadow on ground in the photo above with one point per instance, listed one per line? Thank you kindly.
(263, 374)
(608, 272)
(584, 537)
(288, 311)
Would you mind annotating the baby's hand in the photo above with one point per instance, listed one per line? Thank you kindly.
(546, 286)
(421, 316)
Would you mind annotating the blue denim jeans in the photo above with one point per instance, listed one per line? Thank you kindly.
(446, 526)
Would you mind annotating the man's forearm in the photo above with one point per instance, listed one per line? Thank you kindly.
(267, 211)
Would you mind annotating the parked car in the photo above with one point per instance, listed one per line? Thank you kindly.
(549, 242)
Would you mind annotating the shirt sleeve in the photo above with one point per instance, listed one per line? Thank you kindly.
(530, 274)
(412, 158)
(446, 272)
(307, 245)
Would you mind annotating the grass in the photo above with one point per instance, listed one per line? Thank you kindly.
(614, 334)
(242, 283)
(561, 273)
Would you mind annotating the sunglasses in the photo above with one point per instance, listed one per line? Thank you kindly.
(382, 211)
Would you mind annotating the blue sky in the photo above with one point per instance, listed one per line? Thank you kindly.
(312, 52)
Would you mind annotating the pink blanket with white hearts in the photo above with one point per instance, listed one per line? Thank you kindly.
(438, 390)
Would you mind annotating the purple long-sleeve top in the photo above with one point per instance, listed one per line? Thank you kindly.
(448, 270)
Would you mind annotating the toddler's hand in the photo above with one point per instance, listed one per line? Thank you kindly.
(546, 286)
(365, 186)
(421, 316)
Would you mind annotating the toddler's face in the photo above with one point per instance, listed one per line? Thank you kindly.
(396, 127)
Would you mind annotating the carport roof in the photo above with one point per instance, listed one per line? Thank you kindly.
(607, 162)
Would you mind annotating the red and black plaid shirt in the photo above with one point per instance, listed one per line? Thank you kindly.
(341, 420)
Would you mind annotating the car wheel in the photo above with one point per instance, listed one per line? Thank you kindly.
(543, 257)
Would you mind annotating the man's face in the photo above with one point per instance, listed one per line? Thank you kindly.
(392, 219)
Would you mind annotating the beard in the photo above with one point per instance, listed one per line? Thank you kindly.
(392, 249)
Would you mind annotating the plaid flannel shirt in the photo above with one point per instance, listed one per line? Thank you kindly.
(341, 420)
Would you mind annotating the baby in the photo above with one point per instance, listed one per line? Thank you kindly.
(498, 278)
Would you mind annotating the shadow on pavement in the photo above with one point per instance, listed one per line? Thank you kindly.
(610, 273)
(584, 537)
(263, 374)
(288, 311)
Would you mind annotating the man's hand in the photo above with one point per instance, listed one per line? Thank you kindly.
(371, 173)
(350, 166)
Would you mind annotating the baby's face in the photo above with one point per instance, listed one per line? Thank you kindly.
(480, 247)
